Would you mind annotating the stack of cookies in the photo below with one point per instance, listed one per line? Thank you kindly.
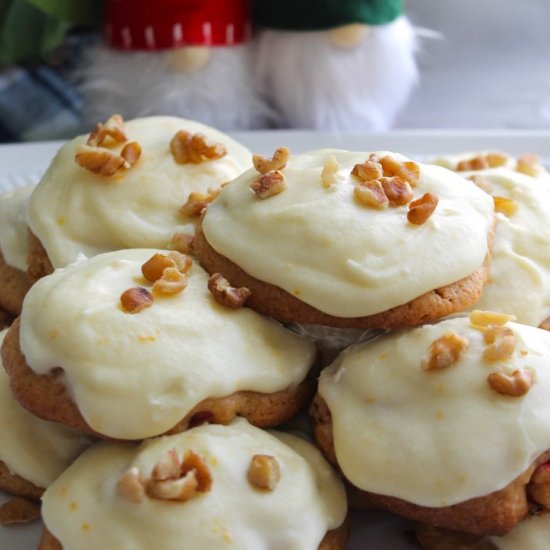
(123, 337)
(184, 294)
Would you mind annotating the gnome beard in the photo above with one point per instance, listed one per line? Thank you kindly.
(356, 77)
(182, 58)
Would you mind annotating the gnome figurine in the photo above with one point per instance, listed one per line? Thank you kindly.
(335, 64)
(185, 58)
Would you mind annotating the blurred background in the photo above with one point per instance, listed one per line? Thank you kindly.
(351, 65)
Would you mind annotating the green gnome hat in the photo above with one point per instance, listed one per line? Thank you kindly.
(314, 15)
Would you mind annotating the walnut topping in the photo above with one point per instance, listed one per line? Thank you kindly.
(369, 170)
(187, 148)
(539, 486)
(505, 206)
(171, 479)
(172, 281)
(371, 193)
(130, 486)
(99, 161)
(397, 190)
(264, 472)
(269, 184)
(528, 164)
(168, 467)
(482, 161)
(407, 170)
(278, 162)
(514, 385)
(135, 299)
(483, 319)
(502, 343)
(19, 510)
(330, 171)
(445, 351)
(131, 153)
(182, 242)
(154, 267)
(421, 209)
(225, 294)
(196, 203)
(113, 128)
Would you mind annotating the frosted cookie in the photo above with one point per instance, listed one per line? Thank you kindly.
(124, 186)
(528, 164)
(349, 240)
(445, 423)
(531, 534)
(519, 272)
(212, 486)
(32, 452)
(13, 249)
(102, 348)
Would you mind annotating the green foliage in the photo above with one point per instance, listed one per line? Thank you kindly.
(31, 29)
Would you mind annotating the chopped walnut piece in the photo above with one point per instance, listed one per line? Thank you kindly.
(131, 152)
(182, 261)
(371, 193)
(528, 164)
(180, 481)
(397, 190)
(478, 162)
(264, 472)
(182, 242)
(154, 267)
(421, 209)
(278, 162)
(113, 128)
(168, 467)
(19, 510)
(196, 203)
(539, 485)
(187, 148)
(225, 294)
(369, 170)
(180, 489)
(99, 161)
(330, 172)
(495, 160)
(502, 343)
(445, 351)
(130, 486)
(269, 184)
(135, 299)
(407, 170)
(484, 319)
(173, 281)
(513, 385)
(505, 206)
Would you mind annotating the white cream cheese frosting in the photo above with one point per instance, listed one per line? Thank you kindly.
(533, 533)
(83, 510)
(13, 226)
(74, 211)
(136, 375)
(519, 272)
(343, 258)
(34, 449)
(439, 437)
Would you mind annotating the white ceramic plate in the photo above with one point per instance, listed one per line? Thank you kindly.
(24, 164)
